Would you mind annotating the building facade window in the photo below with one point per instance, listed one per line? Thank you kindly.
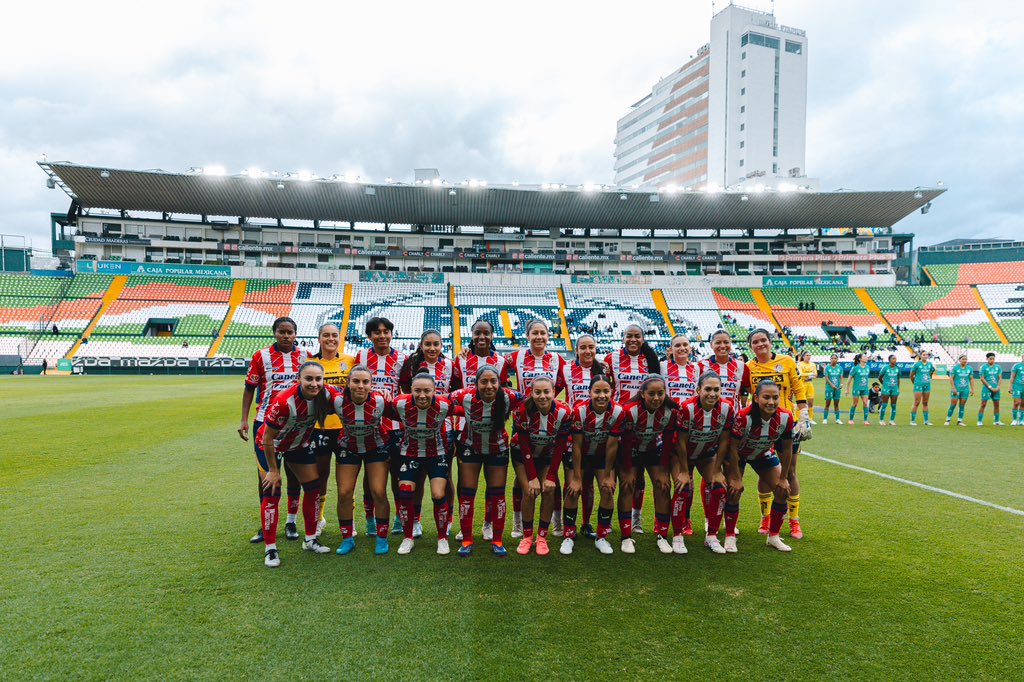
(742, 144)
(743, 91)
(794, 47)
(743, 108)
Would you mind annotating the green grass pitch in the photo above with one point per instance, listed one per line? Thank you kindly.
(128, 503)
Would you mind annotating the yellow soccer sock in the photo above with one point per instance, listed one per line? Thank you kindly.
(765, 500)
(793, 502)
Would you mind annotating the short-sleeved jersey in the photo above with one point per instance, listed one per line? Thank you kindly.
(363, 424)
(335, 374)
(808, 371)
(446, 373)
(292, 414)
(628, 372)
(681, 380)
(834, 375)
(734, 376)
(961, 377)
(481, 435)
(576, 380)
(270, 372)
(596, 427)
(861, 376)
(923, 372)
(542, 430)
(423, 431)
(889, 377)
(992, 374)
(758, 438)
(1018, 374)
(646, 428)
(386, 371)
(470, 365)
(782, 370)
(703, 428)
(527, 367)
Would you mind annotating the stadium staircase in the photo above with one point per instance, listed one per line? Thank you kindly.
(928, 274)
(456, 321)
(989, 315)
(659, 303)
(765, 308)
(113, 291)
(561, 317)
(506, 325)
(235, 300)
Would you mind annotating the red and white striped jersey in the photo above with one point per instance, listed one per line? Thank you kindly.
(270, 372)
(735, 376)
(541, 430)
(292, 415)
(647, 428)
(480, 434)
(362, 427)
(703, 428)
(576, 380)
(469, 366)
(681, 380)
(386, 370)
(628, 372)
(595, 428)
(759, 440)
(528, 367)
(423, 431)
(447, 375)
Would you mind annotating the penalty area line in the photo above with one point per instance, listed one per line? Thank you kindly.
(923, 486)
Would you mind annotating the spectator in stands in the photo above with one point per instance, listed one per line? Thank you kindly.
(214, 333)
(55, 330)
(184, 344)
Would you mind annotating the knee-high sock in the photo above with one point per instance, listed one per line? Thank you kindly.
(892, 412)
(682, 500)
(960, 412)
(517, 498)
(793, 507)
(765, 500)
(638, 490)
(732, 515)
(867, 410)
(441, 515)
(311, 506)
(588, 499)
(881, 412)
(406, 511)
(496, 505)
(604, 522)
(777, 512)
(268, 517)
(661, 524)
(467, 499)
(952, 409)
(569, 522)
(853, 411)
(626, 524)
(714, 508)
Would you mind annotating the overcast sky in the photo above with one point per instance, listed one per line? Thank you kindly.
(900, 94)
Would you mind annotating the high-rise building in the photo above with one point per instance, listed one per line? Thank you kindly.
(736, 112)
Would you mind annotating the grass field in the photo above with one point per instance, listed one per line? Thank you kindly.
(128, 503)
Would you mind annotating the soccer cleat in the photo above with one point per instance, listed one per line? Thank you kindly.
(465, 550)
(542, 546)
(929, 424)
(417, 530)
(320, 525)
(346, 546)
(406, 546)
(979, 424)
(663, 545)
(498, 549)
(458, 536)
(396, 527)
(814, 423)
(947, 423)
(381, 546)
(795, 531)
(881, 423)
(313, 545)
(999, 424)
(567, 546)
(442, 546)
(371, 527)
(257, 538)
(838, 420)
(913, 423)
(678, 545)
(487, 532)
(825, 421)
(638, 520)
(271, 559)
(688, 527)
(892, 422)
(603, 546)
(960, 422)
(775, 542)
(525, 545)
(763, 529)
(628, 546)
(730, 544)
(712, 543)
(587, 531)
(556, 524)
(291, 532)
(517, 524)
(867, 423)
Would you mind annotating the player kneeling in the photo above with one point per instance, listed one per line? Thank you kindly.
(762, 436)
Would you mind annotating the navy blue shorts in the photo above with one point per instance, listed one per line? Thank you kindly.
(596, 462)
(468, 456)
(325, 443)
(434, 467)
(300, 455)
(257, 446)
(761, 464)
(545, 461)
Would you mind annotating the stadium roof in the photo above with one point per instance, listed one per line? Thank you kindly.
(289, 198)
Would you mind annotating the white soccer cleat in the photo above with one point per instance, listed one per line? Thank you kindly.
(638, 522)
(712, 543)
(271, 559)
(663, 545)
(488, 531)
(567, 546)
(556, 524)
(813, 423)
(313, 545)
(838, 420)
(458, 536)
(406, 546)
(775, 542)
(417, 529)
(892, 422)
(628, 546)
(678, 545)
(730, 544)
(960, 422)
(442, 546)
(881, 423)
(999, 424)
(947, 423)
(321, 524)
(603, 546)
(929, 424)
(913, 423)
(824, 421)
(979, 423)
(517, 524)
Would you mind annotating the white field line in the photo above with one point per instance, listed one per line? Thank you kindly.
(930, 488)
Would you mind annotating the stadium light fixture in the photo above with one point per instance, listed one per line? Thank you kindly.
(215, 171)
(280, 185)
(104, 174)
(304, 176)
(622, 197)
(918, 195)
(744, 198)
(927, 207)
(451, 192)
(436, 182)
(50, 184)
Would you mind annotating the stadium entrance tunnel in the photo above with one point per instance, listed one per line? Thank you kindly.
(844, 333)
(160, 326)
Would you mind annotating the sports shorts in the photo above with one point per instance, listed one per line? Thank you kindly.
(1018, 392)
(990, 395)
(468, 456)
(300, 455)
(922, 388)
(325, 443)
(960, 393)
(808, 389)
(860, 392)
(894, 392)
(761, 463)
(833, 393)
(434, 467)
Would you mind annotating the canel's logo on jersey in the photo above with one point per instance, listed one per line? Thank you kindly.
(360, 430)
(282, 377)
(531, 374)
(632, 378)
(480, 426)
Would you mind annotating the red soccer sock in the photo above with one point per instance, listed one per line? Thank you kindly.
(775, 521)
(293, 504)
(715, 507)
(604, 522)
(661, 525)
(704, 499)
(569, 522)
(467, 499)
(311, 506)
(441, 510)
(383, 526)
(626, 524)
(687, 500)
(527, 529)
(268, 517)
(346, 528)
(542, 529)
(677, 512)
(732, 515)
(496, 507)
(406, 511)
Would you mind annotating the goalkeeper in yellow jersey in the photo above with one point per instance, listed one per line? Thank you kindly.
(782, 369)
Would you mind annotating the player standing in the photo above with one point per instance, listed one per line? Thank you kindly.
(921, 375)
(991, 375)
(833, 387)
(889, 376)
(1017, 387)
(857, 386)
(961, 386)
(808, 373)
(578, 376)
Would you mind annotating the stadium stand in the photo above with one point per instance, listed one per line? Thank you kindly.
(510, 311)
(977, 273)
(607, 310)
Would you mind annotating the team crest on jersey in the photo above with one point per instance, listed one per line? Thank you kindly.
(778, 367)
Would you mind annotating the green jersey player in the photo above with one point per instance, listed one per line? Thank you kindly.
(857, 385)
(1017, 389)
(921, 375)
(889, 376)
(991, 375)
(961, 386)
(833, 386)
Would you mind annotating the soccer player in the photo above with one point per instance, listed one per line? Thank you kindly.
(596, 427)
(326, 437)
(648, 442)
(732, 372)
(386, 363)
(704, 423)
(889, 376)
(857, 386)
(808, 373)
(484, 408)
(921, 375)
(539, 443)
(424, 445)
(833, 387)
(991, 375)
(272, 370)
(364, 439)
(577, 376)
(1017, 387)
(762, 436)
(285, 433)
(782, 370)
(961, 386)
(681, 372)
